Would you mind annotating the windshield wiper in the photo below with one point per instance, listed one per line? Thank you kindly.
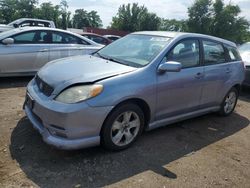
(124, 62)
(108, 58)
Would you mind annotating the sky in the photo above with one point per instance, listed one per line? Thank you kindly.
(169, 9)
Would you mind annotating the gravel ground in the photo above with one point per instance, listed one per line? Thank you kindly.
(209, 151)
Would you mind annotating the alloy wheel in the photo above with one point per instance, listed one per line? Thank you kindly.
(125, 128)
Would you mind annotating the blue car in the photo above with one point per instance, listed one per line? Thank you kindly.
(140, 82)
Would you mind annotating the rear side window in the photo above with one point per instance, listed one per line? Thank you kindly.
(64, 38)
(99, 40)
(185, 52)
(232, 53)
(213, 53)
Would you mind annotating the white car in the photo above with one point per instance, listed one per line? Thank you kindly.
(24, 22)
(23, 51)
(244, 50)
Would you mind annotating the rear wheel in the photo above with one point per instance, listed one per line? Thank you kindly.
(122, 127)
(229, 102)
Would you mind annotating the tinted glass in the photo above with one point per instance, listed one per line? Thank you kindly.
(64, 38)
(186, 52)
(97, 39)
(233, 54)
(213, 53)
(28, 37)
(33, 37)
(113, 38)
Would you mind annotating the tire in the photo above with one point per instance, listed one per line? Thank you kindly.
(229, 102)
(122, 127)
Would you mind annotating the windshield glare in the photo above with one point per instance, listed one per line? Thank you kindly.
(135, 50)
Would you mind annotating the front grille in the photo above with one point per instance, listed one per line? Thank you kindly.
(45, 88)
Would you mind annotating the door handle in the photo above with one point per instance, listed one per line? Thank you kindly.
(43, 50)
(228, 70)
(198, 75)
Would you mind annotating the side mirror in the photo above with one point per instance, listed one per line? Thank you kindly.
(169, 66)
(8, 41)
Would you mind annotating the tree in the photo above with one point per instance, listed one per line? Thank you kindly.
(26, 8)
(82, 18)
(64, 13)
(226, 22)
(94, 19)
(14, 9)
(173, 25)
(8, 10)
(49, 12)
(199, 14)
(218, 19)
(135, 18)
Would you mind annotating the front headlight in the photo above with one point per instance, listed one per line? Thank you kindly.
(76, 94)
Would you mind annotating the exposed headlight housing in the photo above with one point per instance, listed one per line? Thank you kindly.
(80, 93)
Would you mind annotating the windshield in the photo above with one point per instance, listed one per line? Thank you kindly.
(8, 33)
(244, 47)
(12, 23)
(134, 50)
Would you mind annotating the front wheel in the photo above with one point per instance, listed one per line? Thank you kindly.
(122, 127)
(229, 102)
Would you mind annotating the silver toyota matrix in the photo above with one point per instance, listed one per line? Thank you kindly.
(140, 82)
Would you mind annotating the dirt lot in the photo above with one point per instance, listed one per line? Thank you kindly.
(208, 151)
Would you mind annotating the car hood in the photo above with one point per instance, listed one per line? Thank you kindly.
(80, 69)
(246, 57)
(5, 27)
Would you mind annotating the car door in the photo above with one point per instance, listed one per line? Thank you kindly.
(65, 45)
(24, 54)
(216, 72)
(179, 92)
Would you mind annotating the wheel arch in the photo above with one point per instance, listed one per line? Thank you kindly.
(238, 87)
(140, 103)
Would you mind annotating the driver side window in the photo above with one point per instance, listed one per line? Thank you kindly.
(185, 52)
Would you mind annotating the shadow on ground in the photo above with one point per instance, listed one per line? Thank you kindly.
(245, 94)
(95, 167)
(14, 82)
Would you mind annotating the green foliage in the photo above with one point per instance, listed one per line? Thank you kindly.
(64, 6)
(82, 18)
(49, 12)
(218, 19)
(11, 10)
(210, 17)
(14, 9)
(8, 10)
(135, 18)
(200, 16)
(94, 19)
(173, 25)
(26, 8)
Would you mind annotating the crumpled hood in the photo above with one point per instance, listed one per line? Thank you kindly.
(80, 69)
